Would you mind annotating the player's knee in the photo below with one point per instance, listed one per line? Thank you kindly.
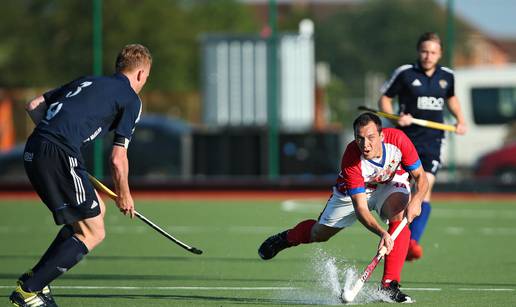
(100, 235)
(318, 234)
(91, 237)
(395, 204)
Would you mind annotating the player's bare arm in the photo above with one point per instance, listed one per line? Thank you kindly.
(120, 167)
(367, 219)
(385, 105)
(414, 206)
(36, 109)
(456, 111)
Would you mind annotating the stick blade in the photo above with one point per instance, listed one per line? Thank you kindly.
(195, 251)
(348, 295)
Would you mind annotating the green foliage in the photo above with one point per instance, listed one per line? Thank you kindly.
(46, 43)
(377, 36)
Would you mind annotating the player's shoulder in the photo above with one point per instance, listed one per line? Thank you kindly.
(121, 86)
(446, 70)
(402, 68)
(352, 152)
(394, 136)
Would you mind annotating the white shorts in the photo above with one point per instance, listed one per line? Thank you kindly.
(339, 211)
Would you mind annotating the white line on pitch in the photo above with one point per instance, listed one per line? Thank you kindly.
(240, 288)
(484, 289)
(422, 289)
(166, 288)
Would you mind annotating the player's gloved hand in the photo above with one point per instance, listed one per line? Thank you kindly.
(405, 119)
(387, 242)
(460, 128)
(126, 204)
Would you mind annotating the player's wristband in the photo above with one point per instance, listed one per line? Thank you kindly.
(121, 141)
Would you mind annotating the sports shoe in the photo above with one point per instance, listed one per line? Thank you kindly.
(46, 291)
(415, 251)
(395, 294)
(273, 245)
(21, 298)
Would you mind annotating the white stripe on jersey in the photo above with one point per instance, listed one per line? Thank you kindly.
(395, 74)
(447, 69)
(139, 112)
(80, 194)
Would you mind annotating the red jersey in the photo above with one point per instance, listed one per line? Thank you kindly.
(360, 175)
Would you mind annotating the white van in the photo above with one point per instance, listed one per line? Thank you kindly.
(487, 95)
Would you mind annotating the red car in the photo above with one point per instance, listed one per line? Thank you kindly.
(499, 164)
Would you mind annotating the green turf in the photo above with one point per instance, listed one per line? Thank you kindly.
(469, 252)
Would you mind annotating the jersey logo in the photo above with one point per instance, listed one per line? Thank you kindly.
(94, 204)
(27, 156)
(94, 135)
(430, 103)
(443, 83)
(416, 82)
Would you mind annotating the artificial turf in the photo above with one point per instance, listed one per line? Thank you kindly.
(468, 258)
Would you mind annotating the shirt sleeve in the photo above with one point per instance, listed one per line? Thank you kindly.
(351, 170)
(128, 117)
(451, 89)
(393, 86)
(409, 157)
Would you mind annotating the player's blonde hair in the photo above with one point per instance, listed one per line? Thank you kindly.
(429, 36)
(131, 57)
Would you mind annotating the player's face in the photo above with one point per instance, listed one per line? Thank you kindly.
(429, 54)
(369, 141)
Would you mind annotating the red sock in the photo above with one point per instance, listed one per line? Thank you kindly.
(395, 260)
(301, 233)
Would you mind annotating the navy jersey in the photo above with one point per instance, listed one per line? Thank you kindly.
(87, 108)
(422, 96)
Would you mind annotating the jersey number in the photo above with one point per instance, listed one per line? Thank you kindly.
(53, 110)
(56, 106)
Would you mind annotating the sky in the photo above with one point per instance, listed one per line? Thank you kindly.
(496, 18)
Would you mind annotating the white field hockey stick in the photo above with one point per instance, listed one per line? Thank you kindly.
(415, 121)
(348, 295)
(99, 185)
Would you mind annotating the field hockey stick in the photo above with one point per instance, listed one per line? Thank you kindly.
(348, 296)
(415, 121)
(99, 185)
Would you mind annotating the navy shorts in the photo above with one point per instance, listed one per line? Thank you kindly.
(60, 180)
(429, 152)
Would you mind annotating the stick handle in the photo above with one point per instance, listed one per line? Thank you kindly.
(415, 121)
(394, 235)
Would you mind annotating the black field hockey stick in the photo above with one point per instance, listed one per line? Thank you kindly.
(100, 186)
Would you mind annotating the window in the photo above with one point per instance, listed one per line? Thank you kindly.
(493, 105)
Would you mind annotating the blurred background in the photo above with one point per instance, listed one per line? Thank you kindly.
(256, 94)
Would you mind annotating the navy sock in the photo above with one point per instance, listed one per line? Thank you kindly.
(64, 233)
(61, 258)
(417, 227)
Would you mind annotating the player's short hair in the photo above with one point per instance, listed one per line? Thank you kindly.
(429, 36)
(131, 57)
(364, 119)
